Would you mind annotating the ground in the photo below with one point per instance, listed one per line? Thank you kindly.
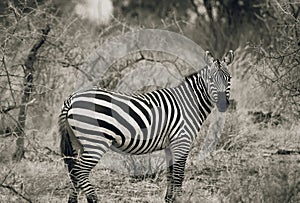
(258, 164)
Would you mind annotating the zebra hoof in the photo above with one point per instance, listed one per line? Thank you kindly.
(169, 199)
(72, 200)
(92, 199)
(178, 199)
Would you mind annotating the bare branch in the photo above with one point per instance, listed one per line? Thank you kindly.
(28, 79)
(5, 177)
(12, 75)
(4, 109)
(11, 188)
(14, 10)
(8, 80)
(77, 67)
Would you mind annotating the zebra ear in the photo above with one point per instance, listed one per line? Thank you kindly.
(208, 58)
(228, 58)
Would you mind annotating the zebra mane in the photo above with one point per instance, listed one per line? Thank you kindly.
(192, 75)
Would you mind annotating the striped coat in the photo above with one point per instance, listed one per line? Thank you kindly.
(95, 120)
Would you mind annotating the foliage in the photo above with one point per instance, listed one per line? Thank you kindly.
(21, 31)
(277, 66)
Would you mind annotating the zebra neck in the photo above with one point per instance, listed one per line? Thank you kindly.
(198, 99)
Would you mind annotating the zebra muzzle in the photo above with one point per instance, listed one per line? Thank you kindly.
(222, 102)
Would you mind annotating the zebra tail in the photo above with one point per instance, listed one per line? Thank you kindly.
(65, 142)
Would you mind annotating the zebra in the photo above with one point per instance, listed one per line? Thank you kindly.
(95, 120)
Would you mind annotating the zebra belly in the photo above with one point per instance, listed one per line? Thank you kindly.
(139, 143)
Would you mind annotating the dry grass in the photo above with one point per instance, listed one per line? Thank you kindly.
(248, 171)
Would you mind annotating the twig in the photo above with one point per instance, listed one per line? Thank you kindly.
(4, 109)
(285, 11)
(12, 188)
(177, 24)
(12, 75)
(77, 67)
(8, 80)
(68, 64)
(282, 56)
(5, 177)
(286, 152)
(16, 192)
(14, 10)
(52, 151)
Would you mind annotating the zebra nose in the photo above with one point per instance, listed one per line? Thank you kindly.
(222, 102)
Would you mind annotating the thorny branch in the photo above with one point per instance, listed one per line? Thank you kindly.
(76, 66)
(11, 188)
(8, 79)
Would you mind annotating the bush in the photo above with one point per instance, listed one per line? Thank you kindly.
(277, 57)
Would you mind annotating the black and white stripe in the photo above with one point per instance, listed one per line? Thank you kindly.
(94, 120)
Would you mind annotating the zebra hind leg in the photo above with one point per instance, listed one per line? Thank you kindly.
(169, 160)
(82, 169)
(74, 181)
(74, 195)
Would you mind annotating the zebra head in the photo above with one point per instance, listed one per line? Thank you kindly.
(218, 79)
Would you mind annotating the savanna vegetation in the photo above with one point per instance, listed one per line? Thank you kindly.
(46, 46)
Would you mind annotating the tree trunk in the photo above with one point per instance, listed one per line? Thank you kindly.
(28, 79)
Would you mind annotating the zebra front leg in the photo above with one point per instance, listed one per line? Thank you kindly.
(180, 151)
(169, 160)
(178, 173)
